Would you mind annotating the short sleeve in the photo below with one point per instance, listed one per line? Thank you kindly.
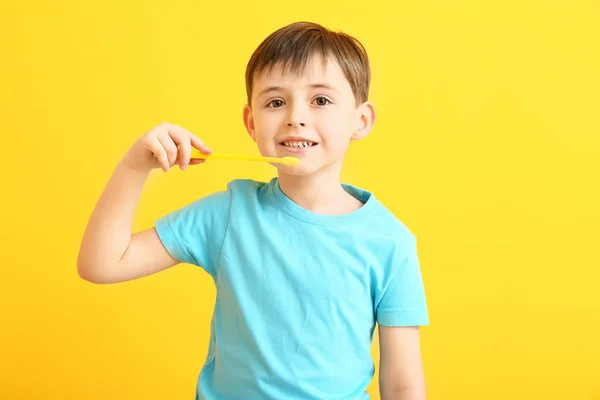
(403, 302)
(194, 234)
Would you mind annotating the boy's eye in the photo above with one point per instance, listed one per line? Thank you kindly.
(276, 103)
(322, 101)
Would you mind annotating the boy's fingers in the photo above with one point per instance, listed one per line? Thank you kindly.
(169, 147)
(181, 138)
(177, 132)
(195, 141)
(185, 152)
(160, 154)
(199, 144)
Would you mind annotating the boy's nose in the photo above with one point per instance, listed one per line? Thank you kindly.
(296, 116)
(292, 123)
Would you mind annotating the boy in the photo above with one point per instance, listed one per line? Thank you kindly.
(304, 265)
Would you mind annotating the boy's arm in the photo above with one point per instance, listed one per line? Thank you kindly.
(109, 252)
(400, 371)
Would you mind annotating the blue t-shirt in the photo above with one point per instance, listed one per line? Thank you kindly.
(298, 293)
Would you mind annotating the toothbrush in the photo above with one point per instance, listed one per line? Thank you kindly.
(225, 156)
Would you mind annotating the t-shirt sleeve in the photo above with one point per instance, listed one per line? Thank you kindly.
(194, 234)
(403, 302)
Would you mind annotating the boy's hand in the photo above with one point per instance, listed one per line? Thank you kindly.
(164, 146)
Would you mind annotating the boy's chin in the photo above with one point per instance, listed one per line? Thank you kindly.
(306, 168)
(294, 170)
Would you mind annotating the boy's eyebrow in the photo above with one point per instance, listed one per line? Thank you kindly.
(270, 89)
(323, 86)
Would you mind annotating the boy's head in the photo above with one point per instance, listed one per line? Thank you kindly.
(294, 45)
(307, 90)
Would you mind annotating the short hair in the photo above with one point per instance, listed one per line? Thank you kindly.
(295, 44)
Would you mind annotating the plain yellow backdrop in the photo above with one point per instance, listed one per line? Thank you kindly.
(486, 145)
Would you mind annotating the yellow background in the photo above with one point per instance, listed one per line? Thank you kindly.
(487, 124)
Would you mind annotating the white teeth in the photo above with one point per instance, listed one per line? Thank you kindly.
(298, 144)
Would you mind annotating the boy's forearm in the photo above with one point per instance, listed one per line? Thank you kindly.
(108, 232)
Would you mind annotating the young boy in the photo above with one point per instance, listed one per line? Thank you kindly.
(304, 266)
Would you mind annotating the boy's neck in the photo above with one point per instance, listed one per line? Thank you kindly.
(321, 193)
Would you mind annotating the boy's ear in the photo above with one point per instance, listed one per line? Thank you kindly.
(365, 120)
(249, 121)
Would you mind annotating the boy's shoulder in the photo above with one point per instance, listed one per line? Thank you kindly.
(392, 220)
(247, 184)
(382, 219)
(234, 188)
(391, 231)
(242, 190)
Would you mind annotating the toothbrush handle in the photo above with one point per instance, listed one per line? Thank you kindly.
(225, 156)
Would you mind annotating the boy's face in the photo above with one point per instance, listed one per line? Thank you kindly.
(312, 117)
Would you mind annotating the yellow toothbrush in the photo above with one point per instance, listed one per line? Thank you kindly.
(225, 156)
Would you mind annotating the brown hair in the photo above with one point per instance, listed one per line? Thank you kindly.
(295, 44)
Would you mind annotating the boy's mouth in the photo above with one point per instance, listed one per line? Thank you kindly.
(296, 144)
